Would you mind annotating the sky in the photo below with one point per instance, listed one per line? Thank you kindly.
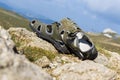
(90, 15)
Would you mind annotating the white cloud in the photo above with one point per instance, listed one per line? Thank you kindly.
(103, 5)
(108, 9)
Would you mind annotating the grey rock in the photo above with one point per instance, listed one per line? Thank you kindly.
(14, 66)
(65, 67)
(43, 62)
(112, 62)
(102, 59)
(30, 39)
(85, 70)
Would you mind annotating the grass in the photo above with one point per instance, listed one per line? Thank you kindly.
(116, 40)
(32, 53)
(103, 51)
(104, 43)
(109, 47)
(10, 19)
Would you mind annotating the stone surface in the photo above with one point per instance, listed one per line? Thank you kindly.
(85, 70)
(69, 67)
(112, 62)
(30, 39)
(43, 62)
(14, 66)
(102, 59)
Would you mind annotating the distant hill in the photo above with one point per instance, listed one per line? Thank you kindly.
(103, 42)
(9, 18)
(12, 19)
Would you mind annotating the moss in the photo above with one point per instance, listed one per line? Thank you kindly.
(17, 43)
(33, 53)
(103, 51)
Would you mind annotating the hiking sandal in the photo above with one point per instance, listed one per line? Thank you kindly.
(67, 37)
(76, 40)
(49, 33)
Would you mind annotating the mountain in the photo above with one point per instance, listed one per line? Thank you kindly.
(12, 19)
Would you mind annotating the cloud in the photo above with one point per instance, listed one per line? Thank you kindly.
(109, 9)
(87, 13)
(103, 5)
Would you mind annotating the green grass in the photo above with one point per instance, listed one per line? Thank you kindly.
(116, 40)
(108, 47)
(33, 53)
(10, 19)
(103, 42)
(103, 51)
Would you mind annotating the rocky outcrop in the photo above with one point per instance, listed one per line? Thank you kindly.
(112, 62)
(29, 44)
(68, 67)
(85, 70)
(28, 38)
(14, 66)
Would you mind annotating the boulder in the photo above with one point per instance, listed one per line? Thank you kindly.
(66, 66)
(14, 66)
(85, 70)
(27, 38)
(112, 62)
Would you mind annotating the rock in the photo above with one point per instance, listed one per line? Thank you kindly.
(67, 67)
(28, 38)
(102, 59)
(14, 66)
(112, 62)
(85, 70)
(43, 62)
(63, 59)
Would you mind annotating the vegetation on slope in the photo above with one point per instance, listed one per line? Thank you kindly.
(23, 39)
(106, 43)
(11, 19)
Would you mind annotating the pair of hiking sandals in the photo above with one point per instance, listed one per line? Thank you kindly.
(66, 37)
